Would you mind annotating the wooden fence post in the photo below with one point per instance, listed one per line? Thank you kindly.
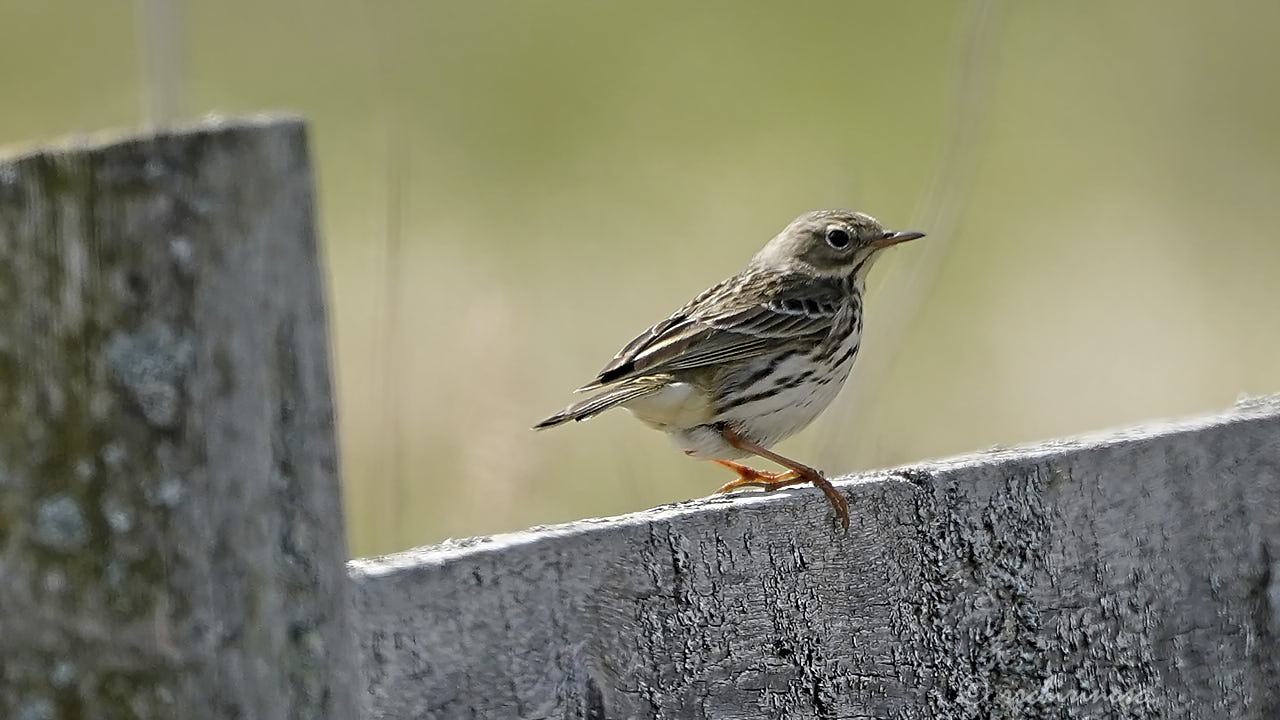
(1132, 575)
(171, 540)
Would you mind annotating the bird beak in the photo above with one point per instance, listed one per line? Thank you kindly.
(893, 238)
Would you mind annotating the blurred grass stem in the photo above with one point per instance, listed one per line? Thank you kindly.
(897, 300)
(160, 29)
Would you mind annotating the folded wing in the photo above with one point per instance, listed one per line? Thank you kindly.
(736, 320)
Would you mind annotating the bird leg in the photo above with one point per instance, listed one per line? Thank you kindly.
(797, 473)
(751, 477)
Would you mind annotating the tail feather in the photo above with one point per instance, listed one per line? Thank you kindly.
(597, 404)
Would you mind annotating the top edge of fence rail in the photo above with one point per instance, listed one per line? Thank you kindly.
(1245, 410)
(457, 548)
(97, 141)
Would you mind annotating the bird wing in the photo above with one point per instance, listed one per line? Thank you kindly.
(735, 320)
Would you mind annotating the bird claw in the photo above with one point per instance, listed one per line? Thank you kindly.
(749, 477)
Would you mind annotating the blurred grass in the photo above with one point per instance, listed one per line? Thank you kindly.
(568, 173)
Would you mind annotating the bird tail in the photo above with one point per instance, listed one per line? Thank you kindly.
(597, 404)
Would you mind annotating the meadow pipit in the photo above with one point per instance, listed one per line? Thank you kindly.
(756, 357)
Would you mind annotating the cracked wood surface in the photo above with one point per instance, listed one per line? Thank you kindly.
(171, 539)
(1129, 575)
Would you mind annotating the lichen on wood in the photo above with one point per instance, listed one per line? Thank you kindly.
(170, 536)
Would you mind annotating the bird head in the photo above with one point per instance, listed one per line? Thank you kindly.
(829, 243)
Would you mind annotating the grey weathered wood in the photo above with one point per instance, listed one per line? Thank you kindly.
(1126, 576)
(171, 539)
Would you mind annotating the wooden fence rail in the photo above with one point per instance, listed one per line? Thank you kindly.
(171, 542)
(1133, 575)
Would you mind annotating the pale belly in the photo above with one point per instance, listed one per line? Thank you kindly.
(675, 407)
(688, 416)
(791, 410)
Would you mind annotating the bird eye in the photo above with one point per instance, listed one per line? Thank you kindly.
(838, 238)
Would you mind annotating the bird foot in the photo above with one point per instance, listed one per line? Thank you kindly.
(770, 481)
(751, 477)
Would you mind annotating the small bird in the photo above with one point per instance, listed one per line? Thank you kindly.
(754, 358)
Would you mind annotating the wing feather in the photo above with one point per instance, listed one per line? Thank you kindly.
(738, 319)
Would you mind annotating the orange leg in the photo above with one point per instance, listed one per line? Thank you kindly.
(796, 473)
(751, 477)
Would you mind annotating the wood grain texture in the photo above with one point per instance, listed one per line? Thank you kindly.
(1131, 575)
(171, 539)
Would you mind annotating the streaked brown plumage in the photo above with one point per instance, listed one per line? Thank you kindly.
(754, 358)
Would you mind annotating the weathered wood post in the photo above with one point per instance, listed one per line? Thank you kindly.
(1132, 575)
(171, 541)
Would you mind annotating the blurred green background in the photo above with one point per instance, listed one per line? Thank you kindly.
(510, 191)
